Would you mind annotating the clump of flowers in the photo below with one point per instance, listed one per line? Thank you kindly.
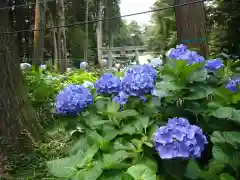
(43, 66)
(156, 62)
(181, 52)
(83, 65)
(179, 139)
(73, 99)
(214, 64)
(104, 62)
(25, 66)
(108, 84)
(88, 84)
(121, 98)
(139, 80)
(233, 84)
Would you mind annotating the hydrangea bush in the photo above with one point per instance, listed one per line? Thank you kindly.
(178, 122)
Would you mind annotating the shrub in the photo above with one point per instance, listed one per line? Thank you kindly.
(127, 136)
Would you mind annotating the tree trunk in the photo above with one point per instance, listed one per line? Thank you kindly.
(99, 33)
(86, 31)
(18, 123)
(61, 39)
(40, 14)
(55, 49)
(191, 26)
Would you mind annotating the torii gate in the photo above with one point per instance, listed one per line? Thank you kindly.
(118, 52)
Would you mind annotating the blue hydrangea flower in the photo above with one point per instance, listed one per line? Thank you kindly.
(108, 84)
(73, 99)
(232, 85)
(83, 65)
(194, 57)
(214, 64)
(139, 80)
(121, 98)
(179, 139)
(181, 52)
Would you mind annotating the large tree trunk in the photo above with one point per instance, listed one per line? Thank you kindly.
(62, 44)
(18, 123)
(191, 26)
(40, 14)
(86, 31)
(99, 32)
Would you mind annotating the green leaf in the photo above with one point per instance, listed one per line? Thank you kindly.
(193, 171)
(121, 144)
(223, 112)
(92, 173)
(112, 161)
(80, 145)
(90, 153)
(63, 168)
(226, 154)
(126, 113)
(113, 108)
(200, 93)
(167, 86)
(225, 176)
(141, 172)
(230, 137)
(94, 120)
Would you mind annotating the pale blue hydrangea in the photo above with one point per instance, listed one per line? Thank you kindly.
(214, 64)
(104, 62)
(179, 139)
(83, 65)
(25, 66)
(156, 62)
(233, 84)
(108, 84)
(43, 66)
(73, 99)
(139, 80)
(88, 84)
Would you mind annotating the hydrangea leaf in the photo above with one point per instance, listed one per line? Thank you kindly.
(192, 171)
(226, 176)
(114, 160)
(141, 172)
(126, 113)
(92, 173)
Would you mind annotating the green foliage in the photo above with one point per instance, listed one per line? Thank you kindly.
(106, 143)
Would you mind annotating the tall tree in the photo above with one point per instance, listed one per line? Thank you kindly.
(191, 25)
(99, 30)
(62, 44)
(19, 126)
(40, 21)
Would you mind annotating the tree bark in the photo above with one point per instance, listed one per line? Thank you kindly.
(40, 19)
(61, 39)
(191, 26)
(86, 31)
(19, 127)
(99, 32)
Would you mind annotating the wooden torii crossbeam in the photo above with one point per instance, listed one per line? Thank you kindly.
(124, 51)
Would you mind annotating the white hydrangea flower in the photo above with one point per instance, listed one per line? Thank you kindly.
(83, 65)
(25, 66)
(88, 84)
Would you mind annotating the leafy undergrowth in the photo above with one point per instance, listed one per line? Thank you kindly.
(33, 166)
